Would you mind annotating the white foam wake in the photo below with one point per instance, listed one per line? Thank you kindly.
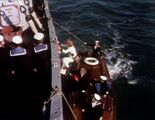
(118, 64)
(118, 61)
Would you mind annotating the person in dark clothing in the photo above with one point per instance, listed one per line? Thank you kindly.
(84, 82)
(81, 80)
(101, 85)
(96, 48)
(104, 87)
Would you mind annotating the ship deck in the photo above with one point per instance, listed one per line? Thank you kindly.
(25, 81)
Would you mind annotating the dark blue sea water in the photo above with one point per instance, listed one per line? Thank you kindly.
(126, 29)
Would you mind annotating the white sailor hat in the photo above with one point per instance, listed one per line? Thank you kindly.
(96, 41)
(103, 77)
(97, 97)
(17, 39)
(1, 38)
(39, 36)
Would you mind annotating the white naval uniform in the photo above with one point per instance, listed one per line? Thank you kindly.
(66, 60)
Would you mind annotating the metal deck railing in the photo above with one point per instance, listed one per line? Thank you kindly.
(56, 109)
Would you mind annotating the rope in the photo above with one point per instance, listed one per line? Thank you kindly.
(56, 92)
(85, 46)
(69, 106)
(70, 33)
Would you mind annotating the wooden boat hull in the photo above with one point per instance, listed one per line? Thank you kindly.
(81, 101)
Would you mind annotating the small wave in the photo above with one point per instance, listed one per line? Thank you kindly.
(118, 64)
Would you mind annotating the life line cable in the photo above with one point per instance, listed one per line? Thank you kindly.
(83, 45)
(70, 33)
